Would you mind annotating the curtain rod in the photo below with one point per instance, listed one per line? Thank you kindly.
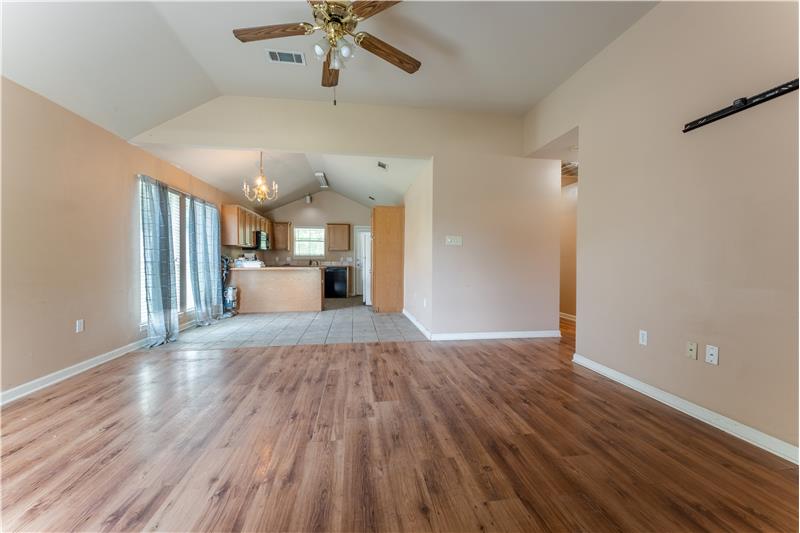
(740, 104)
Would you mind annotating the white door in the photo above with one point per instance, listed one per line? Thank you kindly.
(366, 266)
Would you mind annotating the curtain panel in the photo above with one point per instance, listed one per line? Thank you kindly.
(203, 248)
(159, 266)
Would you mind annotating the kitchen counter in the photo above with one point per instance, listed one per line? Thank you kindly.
(283, 268)
(278, 289)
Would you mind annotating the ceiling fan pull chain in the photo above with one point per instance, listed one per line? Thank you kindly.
(334, 95)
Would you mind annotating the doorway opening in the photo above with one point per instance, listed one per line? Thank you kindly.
(565, 148)
(363, 262)
(569, 219)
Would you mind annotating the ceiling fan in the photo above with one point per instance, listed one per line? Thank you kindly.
(337, 19)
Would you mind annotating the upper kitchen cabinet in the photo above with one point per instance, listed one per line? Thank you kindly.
(281, 233)
(338, 237)
(239, 225)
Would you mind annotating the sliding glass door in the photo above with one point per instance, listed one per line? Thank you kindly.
(188, 267)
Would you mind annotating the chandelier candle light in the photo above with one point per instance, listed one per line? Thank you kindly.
(260, 191)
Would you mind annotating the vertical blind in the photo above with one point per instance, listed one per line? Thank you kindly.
(177, 246)
(189, 293)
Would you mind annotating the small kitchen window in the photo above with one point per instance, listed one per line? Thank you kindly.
(309, 242)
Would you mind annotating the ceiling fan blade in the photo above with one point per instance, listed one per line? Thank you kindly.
(259, 33)
(330, 77)
(364, 9)
(387, 52)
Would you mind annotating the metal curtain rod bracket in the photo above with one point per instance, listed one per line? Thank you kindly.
(740, 104)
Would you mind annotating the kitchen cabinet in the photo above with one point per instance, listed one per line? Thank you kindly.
(281, 236)
(238, 224)
(251, 227)
(387, 258)
(338, 237)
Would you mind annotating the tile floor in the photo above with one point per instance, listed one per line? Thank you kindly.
(331, 326)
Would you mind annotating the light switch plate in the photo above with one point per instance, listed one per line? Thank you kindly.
(712, 355)
(643, 337)
(453, 240)
(79, 325)
(691, 350)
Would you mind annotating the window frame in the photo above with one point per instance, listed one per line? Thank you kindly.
(295, 241)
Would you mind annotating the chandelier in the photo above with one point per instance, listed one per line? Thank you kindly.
(260, 191)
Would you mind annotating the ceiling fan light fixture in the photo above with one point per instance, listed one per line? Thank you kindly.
(346, 49)
(321, 48)
(337, 19)
(336, 60)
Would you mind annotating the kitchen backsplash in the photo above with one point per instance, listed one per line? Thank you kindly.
(271, 258)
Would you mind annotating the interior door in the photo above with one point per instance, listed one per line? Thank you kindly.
(365, 259)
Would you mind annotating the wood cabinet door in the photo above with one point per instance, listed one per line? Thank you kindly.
(281, 237)
(230, 225)
(251, 226)
(338, 237)
(241, 221)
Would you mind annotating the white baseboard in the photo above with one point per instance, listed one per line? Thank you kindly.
(50, 379)
(567, 316)
(488, 335)
(60, 375)
(416, 322)
(484, 335)
(728, 425)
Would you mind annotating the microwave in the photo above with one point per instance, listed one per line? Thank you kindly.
(260, 240)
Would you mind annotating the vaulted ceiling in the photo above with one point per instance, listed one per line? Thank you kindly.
(129, 66)
(355, 177)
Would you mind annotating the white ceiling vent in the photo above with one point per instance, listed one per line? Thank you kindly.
(282, 56)
(323, 179)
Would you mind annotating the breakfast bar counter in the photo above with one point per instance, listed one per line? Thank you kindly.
(278, 289)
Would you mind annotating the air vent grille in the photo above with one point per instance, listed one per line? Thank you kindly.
(323, 179)
(282, 56)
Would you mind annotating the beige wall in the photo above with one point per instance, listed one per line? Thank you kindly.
(418, 252)
(326, 207)
(505, 276)
(354, 129)
(569, 219)
(70, 235)
(690, 236)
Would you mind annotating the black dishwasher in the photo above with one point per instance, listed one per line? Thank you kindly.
(336, 282)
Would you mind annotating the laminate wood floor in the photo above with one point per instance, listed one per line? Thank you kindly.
(449, 436)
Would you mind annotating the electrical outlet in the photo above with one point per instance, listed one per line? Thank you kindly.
(712, 355)
(424, 302)
(643, 337)
(79, 325)
(691, 350)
